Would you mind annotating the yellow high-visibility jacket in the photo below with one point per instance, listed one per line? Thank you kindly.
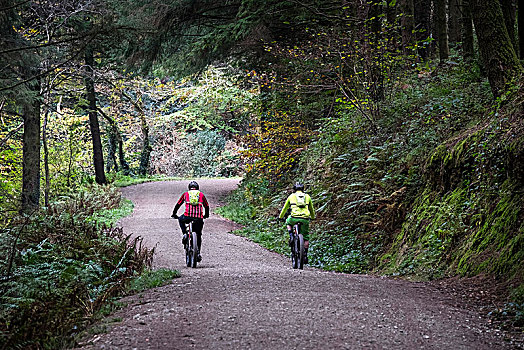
(307, 212)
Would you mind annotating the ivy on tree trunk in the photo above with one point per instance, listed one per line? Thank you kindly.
(115, 139)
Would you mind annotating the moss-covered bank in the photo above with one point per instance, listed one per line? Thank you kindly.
(469, 217)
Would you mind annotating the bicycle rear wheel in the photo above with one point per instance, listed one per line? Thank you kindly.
(294, 250)
(194, 246)
(189, 244)
(301, 252)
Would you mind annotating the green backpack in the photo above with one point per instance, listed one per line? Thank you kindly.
(194, 196)
(301, 199)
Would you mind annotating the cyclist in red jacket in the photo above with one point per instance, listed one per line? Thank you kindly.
(196, 204)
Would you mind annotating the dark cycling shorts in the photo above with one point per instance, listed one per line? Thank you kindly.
(198, 223)
(304, 227)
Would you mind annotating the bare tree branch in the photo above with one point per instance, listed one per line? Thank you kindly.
(49, 70)
(11, 133)
(13, 6)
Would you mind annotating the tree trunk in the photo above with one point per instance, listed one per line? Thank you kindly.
(521, 27)
(145, 156)
(28, 98)
(111, 162)
(376, 78)
(468, 50)
(454, 22)
(423, 26)
(116, 139)
(508, 12)
(391, 13)
(31, 147)
(442, 29)
(98, 156)
(46, 160)
(496, 50)
(407, 24)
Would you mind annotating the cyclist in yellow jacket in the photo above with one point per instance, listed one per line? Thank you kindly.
(301, 211)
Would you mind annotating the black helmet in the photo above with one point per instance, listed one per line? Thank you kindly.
(193, 185)
(298, 187)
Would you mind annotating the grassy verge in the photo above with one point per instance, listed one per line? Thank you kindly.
(151, 279)
(124, 180)
(119, 180)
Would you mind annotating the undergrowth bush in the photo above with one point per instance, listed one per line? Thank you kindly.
(204, 153)
(62, 265)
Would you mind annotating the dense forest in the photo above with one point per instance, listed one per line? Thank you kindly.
(404, 119)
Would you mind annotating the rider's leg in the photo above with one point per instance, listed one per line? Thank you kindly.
(182, 219)
(182, 222)
(198, 224)
(290, 231)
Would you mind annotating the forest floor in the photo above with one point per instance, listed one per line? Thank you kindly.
(243, 296)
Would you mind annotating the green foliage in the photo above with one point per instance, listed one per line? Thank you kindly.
(201, 154)
(193, 122)
(69, 151)
(63, 265)
(10, 180)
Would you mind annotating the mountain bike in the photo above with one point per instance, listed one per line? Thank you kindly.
(191, 246)
(298, 252)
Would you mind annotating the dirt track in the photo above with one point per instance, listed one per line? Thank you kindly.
(244, 297)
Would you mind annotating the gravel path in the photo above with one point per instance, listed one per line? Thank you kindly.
(242, 296)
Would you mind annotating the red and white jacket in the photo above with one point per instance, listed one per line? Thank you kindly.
(194, 211)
